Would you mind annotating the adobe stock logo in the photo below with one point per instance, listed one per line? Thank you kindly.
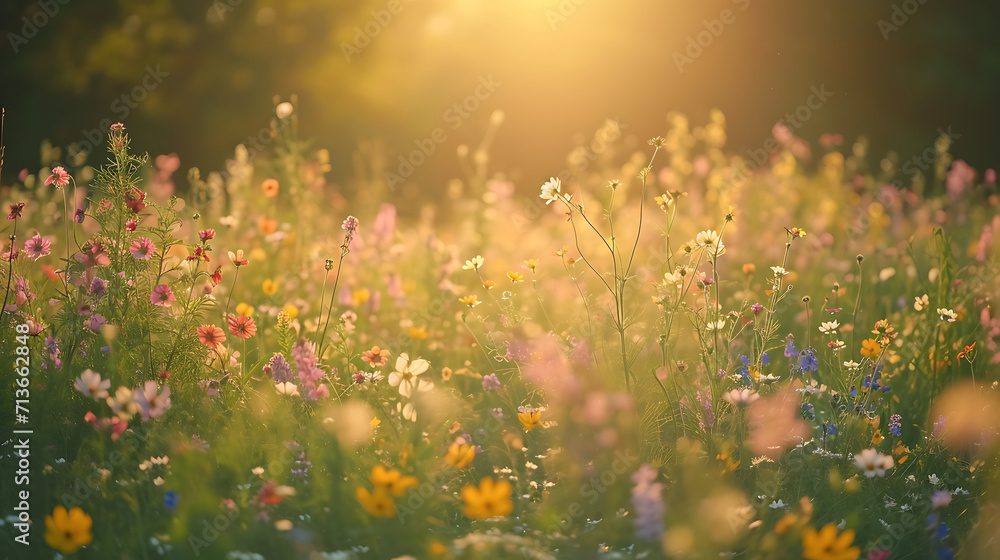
(39, 19)
(698, 43)
(122, 107)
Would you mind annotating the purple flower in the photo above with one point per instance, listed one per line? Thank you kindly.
(278, 368)
(648, 504)
(98, 286)
(790, 351)
(491, 382)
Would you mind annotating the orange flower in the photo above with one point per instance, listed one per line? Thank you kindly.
(965, 352)
(270, 187)
(211, 336)
(268, 226)
(242, 326)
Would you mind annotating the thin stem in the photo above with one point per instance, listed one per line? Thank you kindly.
(333, 300)
(857, 303)
(10, 267)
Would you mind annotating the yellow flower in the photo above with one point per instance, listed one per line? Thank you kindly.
(375, 422)
(531, 264)
(244, 309)
(664, 201)
(378, 503)
(489, 499)
(392, 480)
(877, 437)
(515, 277)
(471, 301)
(870, 348)
(827, 545)
(269, 287)
(488, 284)
(530, 418)
(438, 549)
(291, 310)
(68, 531)
(797, 232)
(360, 296)
(460, 454)
(417, 333)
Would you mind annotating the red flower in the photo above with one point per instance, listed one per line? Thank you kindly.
(136, 201)
(966, 352)
(206, 234)
(242, 326)
(15, 210)
(217, 276)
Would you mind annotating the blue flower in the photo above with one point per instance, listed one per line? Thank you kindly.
(790, 351)
(170, 499)
(764, 359)
(808, 360)
(830, 429)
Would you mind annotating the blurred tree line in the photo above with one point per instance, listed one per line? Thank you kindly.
(197, 77)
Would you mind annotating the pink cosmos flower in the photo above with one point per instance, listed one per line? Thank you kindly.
(37, 247)
(151, 404)
(59, 176)
(162, 295)
(142, 249)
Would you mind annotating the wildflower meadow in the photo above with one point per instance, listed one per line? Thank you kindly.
(458, 280)
(662, 356)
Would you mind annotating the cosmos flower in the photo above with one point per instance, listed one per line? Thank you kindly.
(551, 191)
(151, 404)
(59, 177)
(211, 336)
(37, 247)
(242, 326)
(162, 295)
(142, 249)
(91, 385)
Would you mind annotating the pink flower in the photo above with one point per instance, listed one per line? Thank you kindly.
(151, 404)
(941, 499)
(162, 295)
(142, 249)
(320, 392)
(130, 224)
(37, 247)
(59, 177)
(206, 234)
